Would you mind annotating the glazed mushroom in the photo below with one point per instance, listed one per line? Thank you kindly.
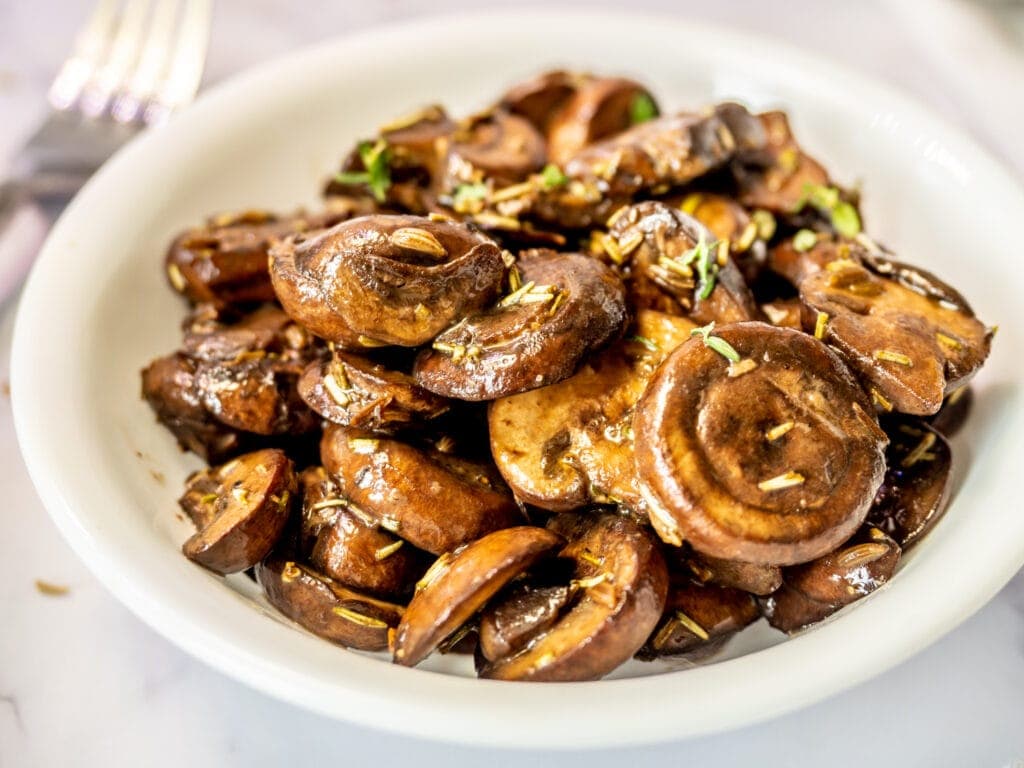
(698, 620)
(326, 608)
(599, 108)
(563, 307)
(757, 579)
(917, 481)
(677, 253)
(755, 443)
(460, 583)
(497, 145)
(352, 390)
(386, 279)
(248, 503)
(813, 591)
(954, 412)
(509, 624)
(569, 444)
(225, 261)
(621, 582)
(433, 500)
(541, 98)
(911, 338)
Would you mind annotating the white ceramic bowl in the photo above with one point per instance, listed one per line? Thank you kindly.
(97, 308)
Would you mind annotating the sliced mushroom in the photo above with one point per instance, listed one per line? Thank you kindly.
(571, 443)
(954, 411)
(541, 98)
(800, 257)
(757, 444)
(917, 482)
(250, 507)
(757, 579)
(460, 583)
(599, 108)
(567, 306)
(699, 618)
(677, 253)
(326, 608)
(508, 625)
(352, 390)
(225, 261)
(496, 145)
(433, 500)
(818, 589)
(386, 279)
(621, 582)
(910, 347)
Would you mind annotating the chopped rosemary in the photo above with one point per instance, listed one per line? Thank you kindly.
(781, 482)
(642, 109)
(645, 342)
(707, 267)
(947, 341)
(716, 343)
(844, 217)
(820, 323)
(377, 175)
(778, 431)
(920, 450)
(692, 625)
(880, 400)
(385, 552)
(552, 177)
(804, 240)
(358, 618)
(890, 356)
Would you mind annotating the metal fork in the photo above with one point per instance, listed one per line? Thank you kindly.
(133, 63)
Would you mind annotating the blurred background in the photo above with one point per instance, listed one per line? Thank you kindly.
(82, 682)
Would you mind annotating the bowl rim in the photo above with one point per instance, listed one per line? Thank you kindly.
(444, 707)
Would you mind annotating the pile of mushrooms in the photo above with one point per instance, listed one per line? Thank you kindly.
(563, 383)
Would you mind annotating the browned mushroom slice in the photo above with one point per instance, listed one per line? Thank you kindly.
(699, 619)
(776, 178)
(386, 279)
(910, 348)
(460, 583)
(326, 608)
(679, 255)
(541, 98)
(599, 108)
(621, 581)
(168, 385)
(755, 443)
(433, 500)
(809, 253)
(566, 306)
(225, 261)
(354, 391)
(508, 625)
(571, 443)
(496, 145)
(750, 577)
(812, 591)
(249, 512)
(954, 411)
(916, 487)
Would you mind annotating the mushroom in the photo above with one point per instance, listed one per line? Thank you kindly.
(815, 590)
(599, 108)
(755, 578)
(916, 488)
(910, 337)
(699, 619)
(540, 99)
(954, 411)
(620, 582)
(678, 254)
(571, 443)
(508, 625)
(461, 582)
(355, 391)
(244, 510)
(225, 261)
(326, 608)
(755, 443)
(386, 279)
(497, 145)
(562, 306)
(433, 500)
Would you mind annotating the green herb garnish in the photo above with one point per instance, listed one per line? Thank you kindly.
(642, 109)
(716, 343)
(465, 193)
(804, 240)
(377, 174)
(552, 177)
(643, 340)
(707, 266)
(827, 201)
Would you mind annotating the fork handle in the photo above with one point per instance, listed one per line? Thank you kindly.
(23, 227)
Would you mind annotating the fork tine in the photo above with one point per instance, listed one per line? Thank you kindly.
(91, 45)
(181, 81)
(120, 61)
(130, 100)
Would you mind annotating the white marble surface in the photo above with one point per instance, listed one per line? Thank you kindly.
(82, 682)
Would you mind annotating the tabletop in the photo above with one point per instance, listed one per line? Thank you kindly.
(83, 682)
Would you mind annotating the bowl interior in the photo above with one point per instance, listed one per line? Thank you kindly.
(98, 308)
